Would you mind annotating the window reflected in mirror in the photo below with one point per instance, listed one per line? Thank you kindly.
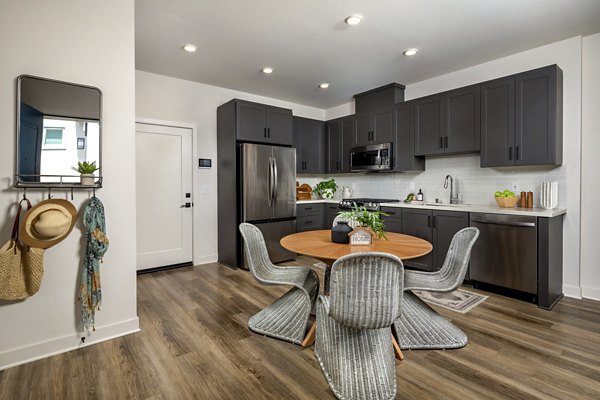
(59, 125)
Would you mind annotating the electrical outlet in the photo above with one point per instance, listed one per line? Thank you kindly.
(411, 186)
(514, 186)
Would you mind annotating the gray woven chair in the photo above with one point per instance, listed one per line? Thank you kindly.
(354, 343)
(421, 327)
(287, 317)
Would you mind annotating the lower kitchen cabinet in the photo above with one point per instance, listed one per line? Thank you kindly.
(309, 217)
(437, 227)
(331, 211)
(392, 222)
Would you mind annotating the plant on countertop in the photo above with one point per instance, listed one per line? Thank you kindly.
(370, 219)
(86, 168)
(326, 189)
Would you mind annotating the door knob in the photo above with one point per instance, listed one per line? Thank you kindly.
(186, 205)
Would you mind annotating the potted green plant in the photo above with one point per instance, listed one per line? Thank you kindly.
(326, 189)
(366, 218)
(86, 171)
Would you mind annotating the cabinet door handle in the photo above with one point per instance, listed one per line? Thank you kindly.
(446, 142)
(510, 153)
(308, 208)
(441, 142)
(265, 132)
(269, 133)
(434, 221)
(517, 153)
(429, 221)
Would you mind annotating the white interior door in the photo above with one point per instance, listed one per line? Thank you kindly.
(164, 195)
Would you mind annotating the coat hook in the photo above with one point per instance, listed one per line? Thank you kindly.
(94, 192)
(49, 193)
(24, 193)
(71, 194)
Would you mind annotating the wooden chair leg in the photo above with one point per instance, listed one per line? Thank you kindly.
(397, 351)
(310, 336)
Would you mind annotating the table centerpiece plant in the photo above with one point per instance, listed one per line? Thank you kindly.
(368, 219)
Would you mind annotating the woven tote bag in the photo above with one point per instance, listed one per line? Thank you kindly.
(21, 267)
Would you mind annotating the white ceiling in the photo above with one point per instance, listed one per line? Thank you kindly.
(307, 42)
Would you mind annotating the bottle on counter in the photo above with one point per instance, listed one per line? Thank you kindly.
(523, 200)
(529, 199)
(420, 195)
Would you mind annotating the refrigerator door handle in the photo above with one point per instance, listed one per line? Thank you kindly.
(270, 183)
(275, 184)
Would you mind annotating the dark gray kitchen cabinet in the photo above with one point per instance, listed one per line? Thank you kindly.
(538, 131)
(331, 211)
(261, 123)
(309, 141)
(521, 119)
(429, 125)
(375, 127)
(498, 122)
(448, 123)
(445, 225)
(309, 216)
(438, 227)
(418, 222)
(462, 126)
(392, 222)
(403, 150)
(340, 133)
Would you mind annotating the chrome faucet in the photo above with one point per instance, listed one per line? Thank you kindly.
(453, 196)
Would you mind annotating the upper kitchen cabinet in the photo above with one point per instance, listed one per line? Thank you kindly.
(340, 134)
(261, 123)
(404, 145)
(374, 121)
(375, 127)
(429, 126)
(521, 119)
(448, 123)
(309, 141)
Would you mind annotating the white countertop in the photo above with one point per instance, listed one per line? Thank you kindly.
(481, 208)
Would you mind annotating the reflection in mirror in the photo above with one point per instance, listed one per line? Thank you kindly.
(58, 125)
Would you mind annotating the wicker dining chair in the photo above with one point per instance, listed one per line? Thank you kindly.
(287, 317)
(420, 326)
(354, 342)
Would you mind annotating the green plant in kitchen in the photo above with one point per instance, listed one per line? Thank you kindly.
(86, 168)
(366, 218)
(326, 189)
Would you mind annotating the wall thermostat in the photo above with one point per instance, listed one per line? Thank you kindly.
(204, 163)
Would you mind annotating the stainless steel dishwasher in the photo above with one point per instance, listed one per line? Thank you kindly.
(506, 253)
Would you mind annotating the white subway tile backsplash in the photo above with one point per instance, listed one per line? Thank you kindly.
(475, 185)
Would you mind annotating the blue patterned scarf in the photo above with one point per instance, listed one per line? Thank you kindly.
(96, 246)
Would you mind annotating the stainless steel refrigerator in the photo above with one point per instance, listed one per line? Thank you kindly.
(267, 180)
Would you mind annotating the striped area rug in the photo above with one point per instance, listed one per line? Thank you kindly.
(460, 300)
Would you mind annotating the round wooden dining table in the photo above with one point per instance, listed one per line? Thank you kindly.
(318, 244)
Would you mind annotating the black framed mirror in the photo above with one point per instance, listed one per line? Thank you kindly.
(59, 125)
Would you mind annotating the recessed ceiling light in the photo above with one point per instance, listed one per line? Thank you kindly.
(267, 70)
(353, 20)
(190, 48)
(410, 52)
(324, 85)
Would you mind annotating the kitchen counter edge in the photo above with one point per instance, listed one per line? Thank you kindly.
(471, 208)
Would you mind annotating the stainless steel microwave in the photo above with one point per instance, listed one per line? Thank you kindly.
(377, 157)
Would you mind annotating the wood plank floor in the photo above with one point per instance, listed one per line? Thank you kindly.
(195, 344)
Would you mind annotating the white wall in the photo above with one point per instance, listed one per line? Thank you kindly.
(567, 54)
(164, 98)
(590, 165)
(100, 54)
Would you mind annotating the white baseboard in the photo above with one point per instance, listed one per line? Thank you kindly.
(590, 293)
(37, 351)
(572, 291)
(206, 259)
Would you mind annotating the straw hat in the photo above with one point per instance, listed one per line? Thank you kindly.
(48, 223)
